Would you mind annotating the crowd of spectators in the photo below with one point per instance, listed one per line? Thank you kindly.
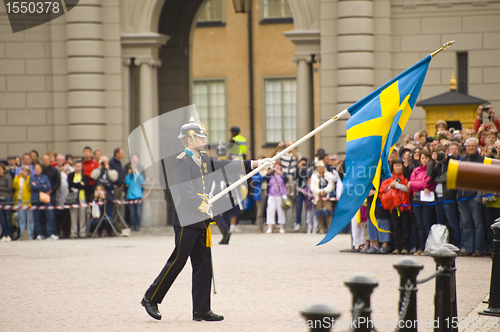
(59, 180)
(409, 203)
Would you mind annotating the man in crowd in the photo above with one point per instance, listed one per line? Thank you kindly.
(446, 204)
(55, 182)
(26, 161)
(106, 177)
(97, 155)
(89, 164)
(303, 173)
(11, 166)
(62, 216)
(116, 164)
(454, 150)
(34, 157)
(471, 211)
(334, 161)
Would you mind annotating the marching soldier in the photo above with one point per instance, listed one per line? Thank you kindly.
(191, 222)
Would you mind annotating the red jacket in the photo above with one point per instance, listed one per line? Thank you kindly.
(88, 167)
(477, 124)
(394, 197)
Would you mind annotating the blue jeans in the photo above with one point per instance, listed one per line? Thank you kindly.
(425, 219)
(49, 215)
(472, 220)
(299, 202)
(26, 222)
(5, 218)
(375, 234)
(135, 214)
(449, 212)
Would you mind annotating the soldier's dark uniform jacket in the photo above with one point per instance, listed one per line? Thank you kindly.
(193, 183)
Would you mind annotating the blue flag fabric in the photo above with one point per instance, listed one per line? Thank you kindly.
(375, 125)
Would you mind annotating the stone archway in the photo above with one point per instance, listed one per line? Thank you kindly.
(156, 49)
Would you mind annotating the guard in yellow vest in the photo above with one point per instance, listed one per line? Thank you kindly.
(237, 144)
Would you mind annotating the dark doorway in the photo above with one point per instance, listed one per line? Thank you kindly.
(454, 124)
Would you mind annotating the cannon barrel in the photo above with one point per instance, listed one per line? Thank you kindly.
(473, 176)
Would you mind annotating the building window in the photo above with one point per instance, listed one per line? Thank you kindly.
(280, 110)
(213, 13)
(210, 100)
(273, 9)
(463, 66)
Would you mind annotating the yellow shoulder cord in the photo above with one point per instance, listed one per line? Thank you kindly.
(209, 235)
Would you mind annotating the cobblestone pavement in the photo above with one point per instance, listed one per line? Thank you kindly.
(262, 280)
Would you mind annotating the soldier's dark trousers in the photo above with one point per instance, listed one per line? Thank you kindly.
(189, 242)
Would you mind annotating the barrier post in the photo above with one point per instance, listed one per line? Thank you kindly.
(361, 287)
(494, 302)
(408, 269)
(444, 295)
(320, 316)
(454, 310)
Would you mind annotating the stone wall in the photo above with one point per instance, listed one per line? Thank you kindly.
(35, 83)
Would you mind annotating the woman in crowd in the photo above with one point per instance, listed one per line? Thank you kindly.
(22, 196)
(40, 183)
(276, 191)
(5, 198)
(422, 186)
(321, 185)
(134, 181)
(396, 194)
(416, 156)
(78, 185)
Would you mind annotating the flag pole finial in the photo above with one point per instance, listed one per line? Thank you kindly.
(444, 47)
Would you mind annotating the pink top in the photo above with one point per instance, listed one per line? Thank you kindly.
(419, 179)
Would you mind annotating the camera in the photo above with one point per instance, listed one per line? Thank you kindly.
(494, 150)
(440, 156)
(486, 109)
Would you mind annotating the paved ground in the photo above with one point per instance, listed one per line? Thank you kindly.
(263, 280)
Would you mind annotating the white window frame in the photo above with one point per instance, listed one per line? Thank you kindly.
(281, 16)
(264, 109)
(207, 123)
(223, 12)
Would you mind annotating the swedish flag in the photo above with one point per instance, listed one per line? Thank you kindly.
(374, 128)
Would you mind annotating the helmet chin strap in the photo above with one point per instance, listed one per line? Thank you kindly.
(195, 144)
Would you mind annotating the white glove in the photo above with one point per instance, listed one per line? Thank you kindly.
(268, 161)
(204, 207)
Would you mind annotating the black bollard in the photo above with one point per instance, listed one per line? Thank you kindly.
(454, 310)
(361, 287)
(494, 302)
(408, 269)
(320, 317)
(443, 297)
